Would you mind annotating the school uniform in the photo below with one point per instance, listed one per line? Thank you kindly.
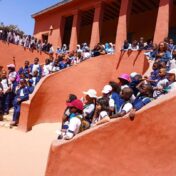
(162, 83)
(35, 80)
(141, 101)
(74, 126)
(1, 99)
(6, 95)
(23, 94)
(101, 116)
(25, 71)
(30, 89)
(34, 67)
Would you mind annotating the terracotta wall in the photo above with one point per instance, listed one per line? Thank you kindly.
(11, 50)
(145, 146)
(48, 101)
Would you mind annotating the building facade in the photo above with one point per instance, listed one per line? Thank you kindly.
(78, 21)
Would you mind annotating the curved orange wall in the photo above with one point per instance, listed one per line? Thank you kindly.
(143, 147)
(48, 101)
(11, 50)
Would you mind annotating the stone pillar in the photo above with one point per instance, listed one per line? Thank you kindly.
(75, 30)
(122, 28)
(162, 22)
(96, 26)
(56, 33)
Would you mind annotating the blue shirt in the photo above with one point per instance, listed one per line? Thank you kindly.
(140, 102)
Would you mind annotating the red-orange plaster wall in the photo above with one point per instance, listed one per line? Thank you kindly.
(11, 50)
(48, 101)
(143, 147)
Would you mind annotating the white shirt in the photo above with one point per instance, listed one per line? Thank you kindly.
(12, 76)
(89, 109)
(127, 107)
(46, 69)
(35, 67)
(5, 85)
(102, 115)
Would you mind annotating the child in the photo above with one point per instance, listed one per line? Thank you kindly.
(162, 83)
(144, 97)
(75, 107)
(67, 115)
(116, 95)
(101, 113)
(36, 67)
(21, 95)
(124, 80)
(30, 86)
(25, 70)
(46, 68)
(1, 96)
(89, 108)
(126, 107)
(172, 81)
(107, 93)
(6, 92)
(35, 78)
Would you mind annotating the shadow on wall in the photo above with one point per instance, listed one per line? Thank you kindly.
(11, 51)
(48, 101)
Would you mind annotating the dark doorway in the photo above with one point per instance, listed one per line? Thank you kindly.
(86, 26)
(67, 30)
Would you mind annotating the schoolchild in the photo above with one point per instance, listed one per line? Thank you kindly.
(101, 113)
(22, 94)
(107, 93)
(116, 95)
(1, 99)
(172, 81)
(36, 78)
(36, 67)
(162, 83)
(144, 97)
(6, 92)
(127, 106)
(46, 68)
(89, 108)
(74, 125)
(25, 70)
(30, 86)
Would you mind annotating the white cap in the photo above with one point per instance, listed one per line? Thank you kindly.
(91, 92)
(133, 74)
(11, 65)
(107, 89)
(173, 71)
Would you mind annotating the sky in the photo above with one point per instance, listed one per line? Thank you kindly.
(18, 12)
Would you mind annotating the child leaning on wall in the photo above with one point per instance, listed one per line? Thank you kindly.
(73, 127)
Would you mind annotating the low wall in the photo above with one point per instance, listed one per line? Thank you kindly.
(47, 103)
(11, 50)
(145, 146)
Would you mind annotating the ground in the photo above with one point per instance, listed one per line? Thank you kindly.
(25, 154)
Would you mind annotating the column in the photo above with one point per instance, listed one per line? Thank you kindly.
(75, 30)
(56, 34)
(122, 28)
(96, 26)
(162, 22)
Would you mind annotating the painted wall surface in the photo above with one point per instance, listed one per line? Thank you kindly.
(143, 147)
(47, 103)
(11, 50)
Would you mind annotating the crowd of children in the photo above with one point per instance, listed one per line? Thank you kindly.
(128, 95)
